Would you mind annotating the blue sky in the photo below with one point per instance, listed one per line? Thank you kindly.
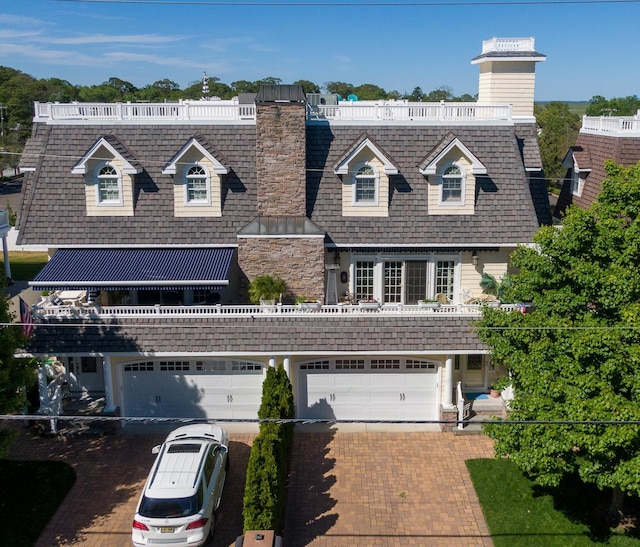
(591, 49)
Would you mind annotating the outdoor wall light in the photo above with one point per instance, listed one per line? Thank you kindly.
(474, 258)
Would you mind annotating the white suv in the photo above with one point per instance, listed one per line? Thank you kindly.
(184, 488)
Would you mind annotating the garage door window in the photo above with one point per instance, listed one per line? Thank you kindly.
(173, 366)
(139, 367)
(378, 364)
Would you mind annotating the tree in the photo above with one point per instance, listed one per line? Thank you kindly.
(15, 374)
(443, 93)
(576, 357)
(559, 129)
(341, 88)
(309, 87)
(621, 106)
(370, 92)
(416, 95)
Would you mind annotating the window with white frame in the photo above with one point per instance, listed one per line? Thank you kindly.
(452, 186)
(364, 280)
(576, 182)
(197, 184)
(109, 185)
(365, 185)
(396, 280)
(445, 278)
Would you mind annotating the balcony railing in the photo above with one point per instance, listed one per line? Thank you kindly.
(278, 310)
(612, 125)
(230, 111)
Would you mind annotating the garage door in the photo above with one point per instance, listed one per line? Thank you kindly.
(192, 389)
(368, 389)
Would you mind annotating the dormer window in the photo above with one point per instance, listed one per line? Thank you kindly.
(197, 185)
(452, 185)
(366, 185)
(109, 186)
(576, 182)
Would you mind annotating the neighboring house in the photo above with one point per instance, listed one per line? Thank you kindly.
(600, 139)
(159, 215)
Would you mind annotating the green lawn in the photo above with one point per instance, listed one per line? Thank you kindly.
(520, 514)
(25, 265)
(31, 494)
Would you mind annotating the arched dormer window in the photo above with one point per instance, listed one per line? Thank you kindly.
(452, 187)
(197, 185)
(109, 185)
(365, 185)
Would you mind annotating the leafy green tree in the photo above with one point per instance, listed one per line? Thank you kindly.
(559, 129)
(244, 86)
(16, 375)
(341, 88)
(621, 106)
(416, 95)
(370, 92)
(576, 357)
(442, 93)
(309, 87)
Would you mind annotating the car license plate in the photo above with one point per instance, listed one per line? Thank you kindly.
(166, 529)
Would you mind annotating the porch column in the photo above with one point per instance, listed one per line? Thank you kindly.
(272, 362)
(286, 363)
(447, 403)
(109, 401)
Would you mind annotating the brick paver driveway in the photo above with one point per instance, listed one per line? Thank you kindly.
(346, 489)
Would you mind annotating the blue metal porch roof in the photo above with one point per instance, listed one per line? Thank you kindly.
(113, 269)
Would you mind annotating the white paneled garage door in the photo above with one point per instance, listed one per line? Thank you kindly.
(368, 389)
(192, 389)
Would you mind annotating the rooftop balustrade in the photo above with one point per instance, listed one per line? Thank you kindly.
(230, 111)
(277, 310)
(612, 125)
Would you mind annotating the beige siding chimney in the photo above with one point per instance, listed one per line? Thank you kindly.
(508, 74)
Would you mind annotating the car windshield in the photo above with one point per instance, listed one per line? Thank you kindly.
(168, 508)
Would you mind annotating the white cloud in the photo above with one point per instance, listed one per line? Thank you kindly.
(113, 39)
(153, 59)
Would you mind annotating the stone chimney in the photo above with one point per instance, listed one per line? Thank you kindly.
(508, 74)
(282, 241)
(281, 150)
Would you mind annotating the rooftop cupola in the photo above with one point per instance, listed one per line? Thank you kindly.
(508, 73)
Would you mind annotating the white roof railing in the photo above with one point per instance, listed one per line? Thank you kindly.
(612, 125)
(231, 111)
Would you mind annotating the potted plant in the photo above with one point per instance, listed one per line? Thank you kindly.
(498, 385)
(429, 303)
(494, 288)
(265, 289)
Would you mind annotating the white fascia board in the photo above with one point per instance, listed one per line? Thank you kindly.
(477, 168)
(343, 167)
(81, 168)
(171, 168)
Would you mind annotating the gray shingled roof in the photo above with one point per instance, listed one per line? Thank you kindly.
(54, 207)
(264, 335)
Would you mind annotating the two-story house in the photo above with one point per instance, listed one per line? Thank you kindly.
(601, 138)
(158, 217)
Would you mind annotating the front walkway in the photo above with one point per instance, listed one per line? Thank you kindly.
(346, 489)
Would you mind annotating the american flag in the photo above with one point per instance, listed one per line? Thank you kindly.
(26, 319)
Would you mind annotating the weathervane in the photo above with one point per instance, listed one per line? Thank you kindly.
(205, 86)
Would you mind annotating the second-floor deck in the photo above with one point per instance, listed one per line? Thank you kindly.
(612, 125)
(231, 111)
(276, 310)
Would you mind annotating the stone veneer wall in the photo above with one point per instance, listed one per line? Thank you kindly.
(299, 261)
(281, 159)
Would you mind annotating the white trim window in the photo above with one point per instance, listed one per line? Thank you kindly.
(108, 185)
(397, 279)
(365, 185)
(576, 182)
(197, 185)
(452, 185)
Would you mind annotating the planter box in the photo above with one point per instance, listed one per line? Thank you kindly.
(368, 305)
(313, 306)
